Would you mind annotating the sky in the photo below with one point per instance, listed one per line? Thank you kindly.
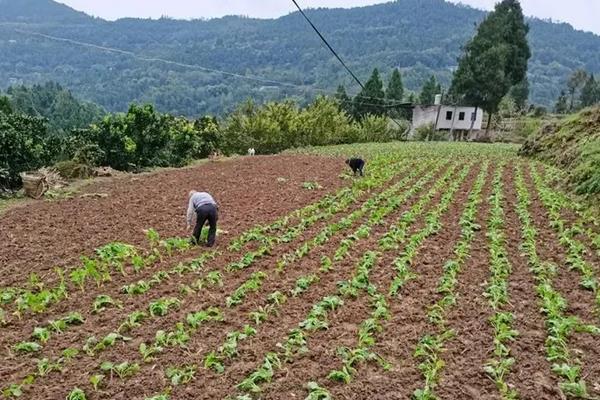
(582, 14)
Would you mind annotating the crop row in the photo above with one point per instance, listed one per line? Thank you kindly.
(554, 203)
(297, 339)
(559, 326)
(430, 347)
(175, 333)
(497, 294)
(216, 359)
(37, 296)
(587, 217)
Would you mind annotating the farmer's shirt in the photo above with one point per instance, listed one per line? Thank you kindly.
(197, 200)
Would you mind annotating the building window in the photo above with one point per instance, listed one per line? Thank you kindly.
(461, 116)
(473, 116)
(448, 115)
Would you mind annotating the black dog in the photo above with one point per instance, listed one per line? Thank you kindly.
(357, 164)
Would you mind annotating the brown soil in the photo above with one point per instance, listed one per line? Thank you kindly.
(210, 337)
(466, 354)
(250, 193)
(45, 234)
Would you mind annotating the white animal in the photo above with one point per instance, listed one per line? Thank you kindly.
(251, 151)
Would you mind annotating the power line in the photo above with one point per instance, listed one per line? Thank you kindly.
(194, 66)
(328, 45)
(334, 52)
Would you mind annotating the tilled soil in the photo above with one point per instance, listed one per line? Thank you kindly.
(250, 193)
(45, 234)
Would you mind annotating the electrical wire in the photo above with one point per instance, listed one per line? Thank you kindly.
(202, 68)
(334, 52)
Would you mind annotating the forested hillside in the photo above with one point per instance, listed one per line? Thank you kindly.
(421, 37)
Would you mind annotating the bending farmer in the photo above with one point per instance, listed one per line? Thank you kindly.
(357, 165)
(206, 209)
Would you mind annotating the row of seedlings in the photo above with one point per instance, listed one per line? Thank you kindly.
(297, 341)
(431, 346)
(587, 221)
(554, 202)
(559, 327)
(180, 336)
(499, 366)
(372, 325)
(215, 360)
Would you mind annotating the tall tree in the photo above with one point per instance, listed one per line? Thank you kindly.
(430, 88)
(562, 103)
(371, 99)
(520, 94)
(395, 88)
(576, 81)
(494, 60)
(344, 100)
(590, 94)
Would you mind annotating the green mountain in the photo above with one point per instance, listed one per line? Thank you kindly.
(421, 37)
(39, 11)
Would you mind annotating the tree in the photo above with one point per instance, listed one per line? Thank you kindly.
(22, 147)
(5, 106)
(50, 100)
(520, 94)
(430, 88)
(395, 89)
(494, 60)
(562, 103)
(371, 99)
(344, 100)
(590, 93)
(576, 81)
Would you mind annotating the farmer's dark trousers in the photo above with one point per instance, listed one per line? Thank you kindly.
(206, 212)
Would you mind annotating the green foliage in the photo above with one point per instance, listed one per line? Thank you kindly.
(587, 172)
(494, 60)
(56, 105)
(144, 138)
(122, 370)
(429, 90)
(590, 93)
(23, 147)
(370, 100)
(572, 144)
(76, 394)
(427, 132)
(562, 103)
(575, 84)
(395, 88)
(387, 35)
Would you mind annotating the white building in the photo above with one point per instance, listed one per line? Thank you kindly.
(447, 118)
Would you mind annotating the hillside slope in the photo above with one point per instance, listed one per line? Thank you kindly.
(572, 144)
(419, 36)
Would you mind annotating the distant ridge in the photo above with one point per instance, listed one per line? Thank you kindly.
(421, 37)
(39, 11)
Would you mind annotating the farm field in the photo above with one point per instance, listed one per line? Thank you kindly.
(450, 271)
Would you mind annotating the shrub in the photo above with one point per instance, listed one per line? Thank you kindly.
(424, 132)
(22, 147)
(71, 169)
